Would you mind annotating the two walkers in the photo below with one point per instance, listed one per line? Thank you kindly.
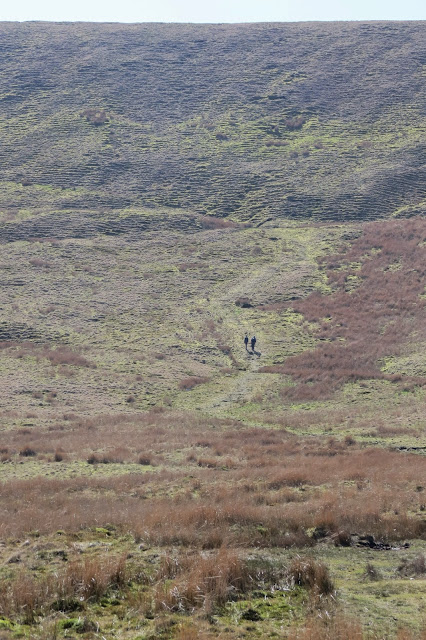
(252, 342)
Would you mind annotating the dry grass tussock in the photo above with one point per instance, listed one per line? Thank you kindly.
(192, 381)
(212, 222)
(57, 356)
(25, 596)
(376, 308)
(181, 583)
(185, 583)
(140, 436)
(307, 572)
(213, 483)
(192, 581)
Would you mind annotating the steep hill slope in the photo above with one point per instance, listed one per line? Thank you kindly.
(319, 120)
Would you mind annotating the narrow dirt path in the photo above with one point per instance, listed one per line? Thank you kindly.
(241, 387)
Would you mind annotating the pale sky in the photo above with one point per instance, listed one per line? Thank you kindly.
(211, 10)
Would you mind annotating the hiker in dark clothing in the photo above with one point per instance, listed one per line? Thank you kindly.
(246, 340)
(253, 343)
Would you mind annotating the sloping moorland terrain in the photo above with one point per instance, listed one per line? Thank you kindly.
(164, 190)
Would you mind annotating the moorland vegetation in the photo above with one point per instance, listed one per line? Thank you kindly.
(165, 190)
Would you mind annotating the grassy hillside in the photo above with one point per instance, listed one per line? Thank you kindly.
(174, 485)
(166, 189)
(312, 121)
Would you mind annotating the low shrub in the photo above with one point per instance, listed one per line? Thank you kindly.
(276, 143)
(211, 222)
(38, 262)
(209, 463)
(64, 355)
(314, 576)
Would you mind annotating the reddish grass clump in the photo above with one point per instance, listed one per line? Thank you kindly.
(38, 262)
(24, 597)
(313, 575)
(64, 355)
(377, 307)
(211, 222)
(212, 483)
(192, 381)
(202, 582)
(416, 566)
(61, 355)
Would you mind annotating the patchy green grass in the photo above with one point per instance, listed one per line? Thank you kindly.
(367, 584)
(164, 193)
(134, 419)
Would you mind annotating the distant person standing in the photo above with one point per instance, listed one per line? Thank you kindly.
(246, 341)
(253, 343)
